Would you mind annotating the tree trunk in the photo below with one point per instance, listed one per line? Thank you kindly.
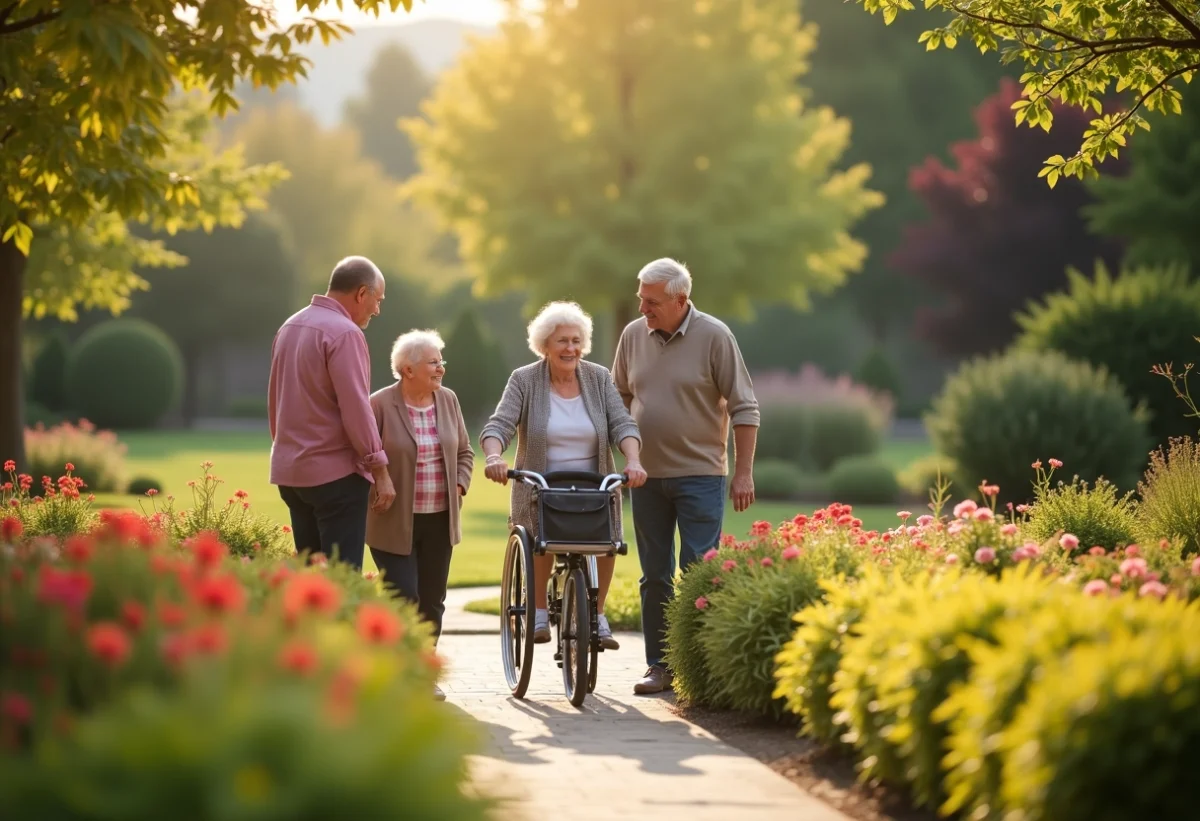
(12, 425)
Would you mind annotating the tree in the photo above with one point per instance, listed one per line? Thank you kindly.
(588, 138)
(475, 367)
(84, 91)
(1154, 206)
(211, 301)
(1078, 53)
(996, 237)
(396, 86)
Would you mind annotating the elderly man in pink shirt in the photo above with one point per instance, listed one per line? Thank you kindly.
(325, 447)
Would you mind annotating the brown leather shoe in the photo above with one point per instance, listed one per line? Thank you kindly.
(656, 680)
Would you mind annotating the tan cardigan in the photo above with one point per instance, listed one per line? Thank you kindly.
(391, 531)
(524, 412)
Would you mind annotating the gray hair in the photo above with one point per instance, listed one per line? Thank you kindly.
(411, 346)
(554, 314)
(352, 273)
(674, 274)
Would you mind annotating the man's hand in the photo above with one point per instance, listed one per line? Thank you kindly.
(636, 474)
(385, 493)
(741, 491)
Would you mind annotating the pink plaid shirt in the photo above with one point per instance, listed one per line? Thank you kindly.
(430, 494)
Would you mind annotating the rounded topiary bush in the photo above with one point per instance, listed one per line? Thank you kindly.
(1128, 323)
(997, 415)
(783, 433)
(877, 371)
(125, 373)
(863, 480)
(48, 376)
(777, 479)
(840, 430)
(141, 485)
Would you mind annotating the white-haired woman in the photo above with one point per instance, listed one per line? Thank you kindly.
(430, 460)
(566, 415)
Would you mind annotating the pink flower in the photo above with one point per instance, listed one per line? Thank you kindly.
(1009, 529)
(1096, 587)
(1134, 568)
(985, 555)
(1196, 566)
(1156, 589)
(984, 514)
(1037, 465)
(766, 562)
(1055, 463)
(955, 528)
(964, 509)
(701, 603)
(1021, 554)
(710, 555)
(1133, 550)
(1068, 541)
(903, 514)
(793, 552)
(925, 520)
(952, 559)
(728, 564)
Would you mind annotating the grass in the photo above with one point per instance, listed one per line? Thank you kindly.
(241, 459)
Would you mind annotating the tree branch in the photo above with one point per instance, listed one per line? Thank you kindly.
(1141, 100)
(29, 22)
(6, 12)
(7, 133)
(1146, 42)
(1180, 18)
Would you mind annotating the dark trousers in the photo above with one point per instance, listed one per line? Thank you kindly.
(421, 576)
(694, 504)
(330, 518)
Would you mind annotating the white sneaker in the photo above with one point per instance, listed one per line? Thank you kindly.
(606, 637)
(541, 626)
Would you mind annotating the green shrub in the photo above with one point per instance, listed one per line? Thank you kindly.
(47, 377)
(753, 620)
(141, 485)
(1170, 496)
(877, 371)
(866, 480)
(978, 714)
(775, 479)
(783, 434)
(1126, 324)
(97, 457)
(623, 607)
(1096, 515)
(997, 415)
(475, 368)
(839, 431)
(1110, 731)
(807, 664)
(922, 475)
(125, 374)
(247, 407)
(37, 415)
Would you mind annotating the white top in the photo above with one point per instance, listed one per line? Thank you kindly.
(571, 441)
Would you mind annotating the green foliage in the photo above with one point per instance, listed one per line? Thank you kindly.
(877, 371)
(979, 713)
(783, 433)
(1082, 54)
(841, 431)
(1096, 515)
(96, 456)
(141, 485)
(474, 368)
(746, 629)
(776, 479)
(1109, 731)
(922, 475)
(1126, 323)
(47, 380)
(864, 479)
(623, 606)
(579, 143)
(395, 88)
(997, 415)
(125, 373)
(694, 680)
(1170, 496)
(405, 307)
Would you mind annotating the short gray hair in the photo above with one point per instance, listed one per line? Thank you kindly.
(554, 314)
(409, 347)
(353, 273)
(674, 274)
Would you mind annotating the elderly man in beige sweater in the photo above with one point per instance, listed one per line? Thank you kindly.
(681, 374)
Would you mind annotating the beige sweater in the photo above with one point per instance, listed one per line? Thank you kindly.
(684, 392)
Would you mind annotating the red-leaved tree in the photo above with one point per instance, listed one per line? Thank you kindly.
(997, 236)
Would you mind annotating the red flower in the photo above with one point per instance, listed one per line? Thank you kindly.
(70, 467)
(219, 594)
(70, 588)
(133, 615)
(78, 549)
(125, 526)
(299, 657)
(171, 614)
(109, 643)
(209, 639)
(207, 549)
(11, 529)
(174, 649)
(16, 708)
(10, 466)
(378, 624)
(310, 592)
(760, 528)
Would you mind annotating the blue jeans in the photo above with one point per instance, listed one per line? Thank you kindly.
(696, 504)
(330, 518)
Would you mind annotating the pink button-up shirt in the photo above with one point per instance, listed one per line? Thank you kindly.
(322, 426)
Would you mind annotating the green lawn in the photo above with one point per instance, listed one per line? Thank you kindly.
(241, 460)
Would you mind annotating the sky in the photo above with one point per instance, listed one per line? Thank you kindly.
(485, 12)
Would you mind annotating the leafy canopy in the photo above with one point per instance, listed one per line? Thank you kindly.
(1080, 52)
(586, 139)
(84, 91)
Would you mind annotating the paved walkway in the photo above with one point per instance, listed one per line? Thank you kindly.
(619, 756)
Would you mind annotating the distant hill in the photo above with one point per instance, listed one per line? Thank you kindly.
(338, 69)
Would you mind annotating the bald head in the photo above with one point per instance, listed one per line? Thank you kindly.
(358, 284)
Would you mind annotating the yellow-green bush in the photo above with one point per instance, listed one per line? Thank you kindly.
(1096, 515)
(979, 712)
(1170, 492)
(1110, 731)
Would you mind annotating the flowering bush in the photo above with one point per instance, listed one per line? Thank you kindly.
(97, 455)
(246, 533)
(1095, 515)
(810, 386)
(60, 510)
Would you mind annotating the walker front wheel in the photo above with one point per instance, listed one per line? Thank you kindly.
(517, 612)
(576, 637)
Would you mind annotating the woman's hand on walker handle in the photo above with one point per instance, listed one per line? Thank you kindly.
(496, 469)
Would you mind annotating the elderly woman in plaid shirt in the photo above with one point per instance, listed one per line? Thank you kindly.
(430, 460)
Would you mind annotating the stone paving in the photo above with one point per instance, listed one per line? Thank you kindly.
(618, 756)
